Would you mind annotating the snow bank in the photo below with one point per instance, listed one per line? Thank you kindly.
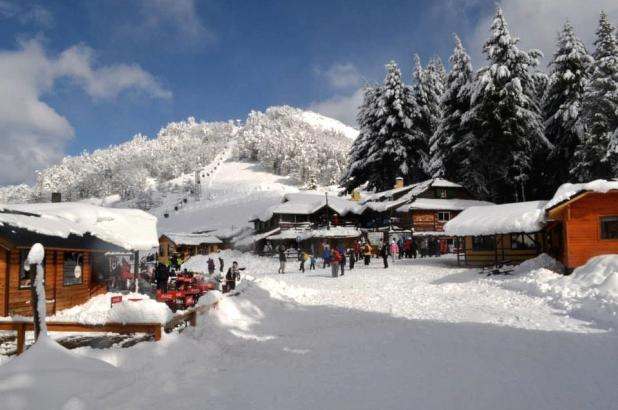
(48, 376)
(589, 293)
(496, 219)
(98, 310)
(567, 191)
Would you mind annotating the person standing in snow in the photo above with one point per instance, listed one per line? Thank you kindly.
(367, 253)
(282, 258)
(211, 266)
(326, 256)
(400, 246)
(352, 256)
(312, 262)
(302, 256)
(342, 260)
(358, 250)
(384, 254)
(231, 277)
(220, 264)
(394, 249)
(161, 276)
(334, 263)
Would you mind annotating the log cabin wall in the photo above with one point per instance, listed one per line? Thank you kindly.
(57, 294)
(4, 277)
(582, 228)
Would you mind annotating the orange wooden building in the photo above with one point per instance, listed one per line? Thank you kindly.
(583, 225)
(76, 238)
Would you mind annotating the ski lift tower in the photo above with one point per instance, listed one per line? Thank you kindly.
(197, 189)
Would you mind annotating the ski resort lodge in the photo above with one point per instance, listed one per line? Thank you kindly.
(580, 222)
(306, 219)
(187, 244)
(84, 244)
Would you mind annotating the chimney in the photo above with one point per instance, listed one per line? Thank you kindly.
(356, 195)
(399, 182)
(56, 197)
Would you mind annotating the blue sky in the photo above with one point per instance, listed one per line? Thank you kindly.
(107, 70)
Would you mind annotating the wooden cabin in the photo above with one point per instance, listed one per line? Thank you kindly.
(187, 245)
(77, 239)
(491, 235)
(578, 223)
(583, 225)
(422, 207)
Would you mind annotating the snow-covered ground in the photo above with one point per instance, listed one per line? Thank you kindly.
(422, 334)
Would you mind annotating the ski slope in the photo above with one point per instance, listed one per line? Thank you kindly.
(231, 194)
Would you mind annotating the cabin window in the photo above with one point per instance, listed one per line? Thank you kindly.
(609, 227)
(25, 276)
(483, 243)
(444, 216)
(442, 193)
(522, 241)
(73, 268)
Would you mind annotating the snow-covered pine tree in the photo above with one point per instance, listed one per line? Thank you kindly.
(447, 149)
(595, 157)
(428, 90)
(359, 169)
(562, 104)
(388, 148)
(505, 117)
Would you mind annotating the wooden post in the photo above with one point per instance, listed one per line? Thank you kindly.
(157, 333)
(34, 296)
(21, 337)
(193, 318)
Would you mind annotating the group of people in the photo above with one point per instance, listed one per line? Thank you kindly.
(224, 282)
(338, 257)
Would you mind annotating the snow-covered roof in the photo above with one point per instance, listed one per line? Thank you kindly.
(568, 191)
(496, 219)
(443, 183)
(305, 203)
(410, 191)
(442, 204)
(192, 239)
(130, 229)
(323, 233)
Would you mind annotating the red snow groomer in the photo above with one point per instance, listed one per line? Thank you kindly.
(184, 291)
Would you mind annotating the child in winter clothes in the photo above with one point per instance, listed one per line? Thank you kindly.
(394, 248)
(312, 262)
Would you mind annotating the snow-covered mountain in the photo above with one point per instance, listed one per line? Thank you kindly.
(286, 141)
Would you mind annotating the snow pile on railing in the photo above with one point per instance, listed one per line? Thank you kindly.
(589, 293)
(134, 308)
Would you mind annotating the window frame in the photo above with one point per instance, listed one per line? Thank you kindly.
(523, 236)
(448, 213)
(64, 268)
(602, 230)
(484, 248)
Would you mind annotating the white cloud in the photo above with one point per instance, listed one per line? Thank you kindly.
(342, 76)
(33, 133)
(176, 17)
(537, 23)
(341, 107)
